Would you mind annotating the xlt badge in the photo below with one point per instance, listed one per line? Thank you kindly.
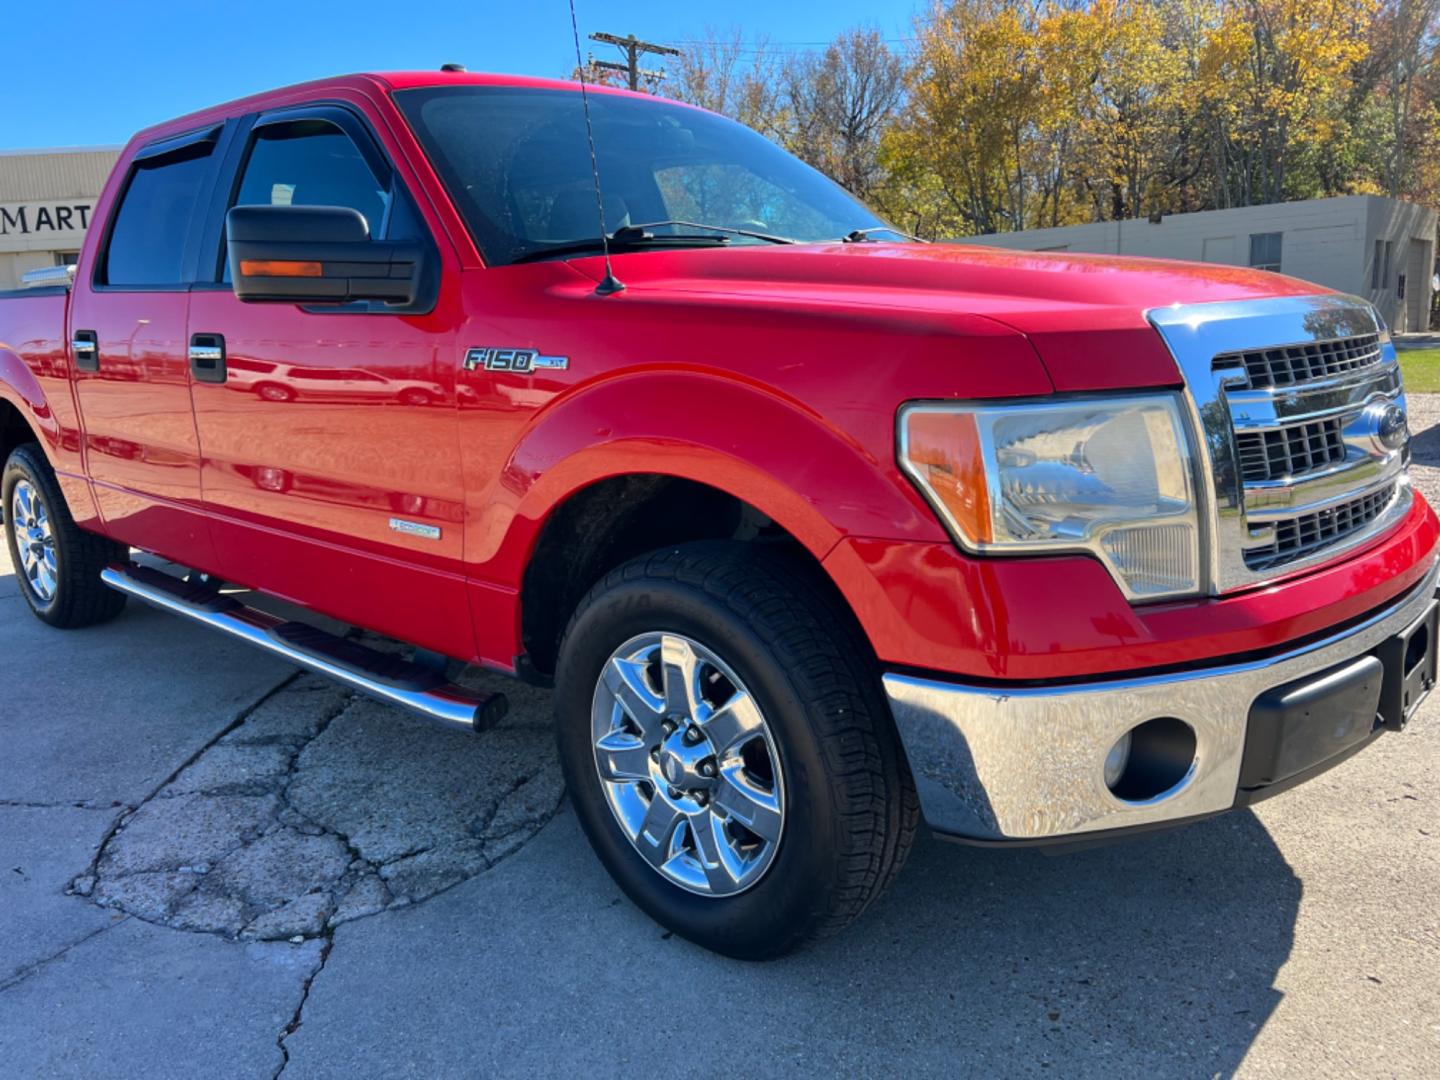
(415, 528)
(522, 360)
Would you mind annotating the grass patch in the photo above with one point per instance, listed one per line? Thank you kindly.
(1421, 368)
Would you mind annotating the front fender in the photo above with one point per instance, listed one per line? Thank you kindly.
(812, 479)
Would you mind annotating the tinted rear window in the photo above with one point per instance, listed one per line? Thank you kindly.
(147, 239)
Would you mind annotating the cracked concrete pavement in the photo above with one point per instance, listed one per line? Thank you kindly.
(318, 807)
(210, 864)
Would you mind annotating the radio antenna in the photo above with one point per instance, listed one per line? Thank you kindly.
(611, 284)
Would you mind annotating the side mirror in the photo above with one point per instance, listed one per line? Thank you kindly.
(318, 255)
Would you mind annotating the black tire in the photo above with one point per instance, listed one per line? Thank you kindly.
(851, 807)
(80, 598)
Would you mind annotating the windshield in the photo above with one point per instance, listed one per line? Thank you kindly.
(517, 164)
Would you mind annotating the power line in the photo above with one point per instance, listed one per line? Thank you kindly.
(790, 46)
(804, 44)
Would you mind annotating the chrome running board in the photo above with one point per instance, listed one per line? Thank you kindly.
(382, 676)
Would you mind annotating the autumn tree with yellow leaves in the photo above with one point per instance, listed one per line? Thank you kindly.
(1011, 114)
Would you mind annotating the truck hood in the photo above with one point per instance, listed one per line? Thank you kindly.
(1084, 314)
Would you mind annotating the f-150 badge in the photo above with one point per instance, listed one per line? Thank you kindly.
(522, 360)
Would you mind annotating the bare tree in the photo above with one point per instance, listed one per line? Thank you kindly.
(594, 75)
(840, 102)
(1407, 46)
(725, 74)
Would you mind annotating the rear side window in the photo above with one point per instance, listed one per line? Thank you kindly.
(152, 223)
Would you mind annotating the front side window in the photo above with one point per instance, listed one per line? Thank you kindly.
(146, 248)
(311, 162)
(516, 161)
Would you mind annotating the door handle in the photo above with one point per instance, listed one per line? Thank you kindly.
(207, 357)
(85, 347)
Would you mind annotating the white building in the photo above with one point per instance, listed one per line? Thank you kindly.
(1378, 248)
(47, 200)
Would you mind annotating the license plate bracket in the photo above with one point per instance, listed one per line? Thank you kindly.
(1410, 668)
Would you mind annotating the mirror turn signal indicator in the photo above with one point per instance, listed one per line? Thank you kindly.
(280, 268)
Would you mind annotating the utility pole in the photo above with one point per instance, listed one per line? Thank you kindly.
(632, 47)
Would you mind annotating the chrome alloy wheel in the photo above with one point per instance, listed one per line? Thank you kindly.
(688, 764)
(34, 540)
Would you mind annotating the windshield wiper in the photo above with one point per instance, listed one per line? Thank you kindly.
(860, 236)
(639, 230)
(626, 238)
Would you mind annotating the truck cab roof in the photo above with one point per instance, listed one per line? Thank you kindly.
(370, 82)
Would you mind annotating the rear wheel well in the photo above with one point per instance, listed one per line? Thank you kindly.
(610, 523)
(14, 430)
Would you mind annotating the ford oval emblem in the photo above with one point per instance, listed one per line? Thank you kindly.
(1388, 428)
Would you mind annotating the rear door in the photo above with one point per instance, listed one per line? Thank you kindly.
(132, 382)
(331, 454)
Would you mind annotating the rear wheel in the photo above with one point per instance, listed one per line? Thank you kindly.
(57, 563)
(728, 749)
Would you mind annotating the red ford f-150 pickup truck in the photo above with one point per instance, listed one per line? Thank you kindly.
(815, 529)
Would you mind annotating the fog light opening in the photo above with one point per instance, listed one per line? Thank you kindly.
(1150, 760)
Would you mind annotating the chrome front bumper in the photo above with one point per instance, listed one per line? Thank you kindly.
(1028, 763)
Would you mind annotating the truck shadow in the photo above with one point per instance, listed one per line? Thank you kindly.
(1156, 956)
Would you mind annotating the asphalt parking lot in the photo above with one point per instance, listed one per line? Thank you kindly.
(210, 865)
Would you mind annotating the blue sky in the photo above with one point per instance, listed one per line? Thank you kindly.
(92, 72)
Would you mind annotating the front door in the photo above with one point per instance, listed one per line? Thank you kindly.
(331, 455)
(131, 367)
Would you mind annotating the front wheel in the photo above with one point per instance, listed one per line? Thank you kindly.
(728, 750)
(58, 563)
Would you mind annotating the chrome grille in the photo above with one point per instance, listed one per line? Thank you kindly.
(1289, 398)
(1293, 451)
(1299, 363)
(1319, 529)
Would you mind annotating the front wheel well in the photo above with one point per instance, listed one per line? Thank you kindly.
(611, 522)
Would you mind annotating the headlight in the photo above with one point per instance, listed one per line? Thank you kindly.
(1111, 476)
